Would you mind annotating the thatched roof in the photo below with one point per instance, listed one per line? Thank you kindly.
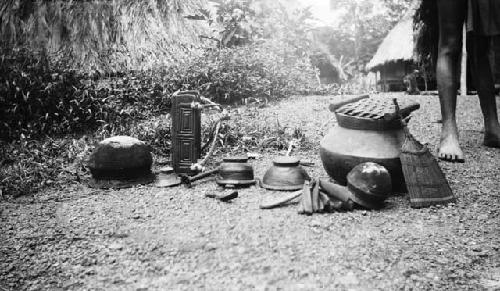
(101, 34)
(397, 45)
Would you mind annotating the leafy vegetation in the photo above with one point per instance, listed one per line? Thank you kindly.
(37, 100)
(426, 32)
(267, 70)
(27, 166)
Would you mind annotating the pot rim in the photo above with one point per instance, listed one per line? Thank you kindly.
(281, 188)
(286, 161)
(221, 181)
(235, 159)
(364, 123)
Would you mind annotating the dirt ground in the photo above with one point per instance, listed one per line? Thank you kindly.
(148, 238)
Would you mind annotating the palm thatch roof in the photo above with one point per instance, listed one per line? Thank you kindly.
(397, 45)
(103, 35)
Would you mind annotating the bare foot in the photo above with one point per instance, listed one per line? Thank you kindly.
(449, 148)
(492, 138)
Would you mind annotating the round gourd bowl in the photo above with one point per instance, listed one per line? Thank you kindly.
(285, 174)
(235, 171)
(370, 184)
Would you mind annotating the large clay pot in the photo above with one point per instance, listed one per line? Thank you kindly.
(358, 140)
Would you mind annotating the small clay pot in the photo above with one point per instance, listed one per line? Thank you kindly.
(235, 171)
(285, 174)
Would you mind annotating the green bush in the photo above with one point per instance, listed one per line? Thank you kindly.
(264, 70)
(36, 100)
(269, 69)
(27, 166)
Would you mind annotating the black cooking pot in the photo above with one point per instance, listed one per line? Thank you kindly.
(235, 171)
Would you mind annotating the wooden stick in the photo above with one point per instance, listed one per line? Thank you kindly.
(306, 198)
(281, 201)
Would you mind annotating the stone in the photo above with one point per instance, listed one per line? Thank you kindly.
(120, 157)
(115, 246)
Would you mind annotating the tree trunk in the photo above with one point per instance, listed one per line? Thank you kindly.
(463, 67)
(357, 36)
(424, 75)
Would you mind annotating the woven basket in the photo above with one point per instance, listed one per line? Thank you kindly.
(425, 181)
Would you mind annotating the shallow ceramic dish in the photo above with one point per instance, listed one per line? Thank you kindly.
(285, 174)
(235, 171)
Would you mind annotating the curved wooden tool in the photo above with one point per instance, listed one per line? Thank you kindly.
(307, 199)
(188, 180)
(227, 197)
(330, 204)
(335, 106)
(315, 201)
(280, 201)
(337, 192)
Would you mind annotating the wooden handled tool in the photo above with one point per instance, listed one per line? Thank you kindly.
(307, 199)
(315, 196)
(187, 180)
(269, 204)
(337, 192)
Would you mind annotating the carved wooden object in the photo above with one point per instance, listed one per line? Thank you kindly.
(186, 131)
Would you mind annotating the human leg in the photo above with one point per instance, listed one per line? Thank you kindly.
(451, 16)
(486, 89)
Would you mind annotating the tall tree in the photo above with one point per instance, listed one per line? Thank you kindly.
(364, 24)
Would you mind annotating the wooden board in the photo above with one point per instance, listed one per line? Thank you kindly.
(186, 132)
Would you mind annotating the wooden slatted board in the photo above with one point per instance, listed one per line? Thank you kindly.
(186, 132)
(371, 108)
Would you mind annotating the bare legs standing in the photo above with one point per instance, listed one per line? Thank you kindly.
(452, 14)
(483, 79)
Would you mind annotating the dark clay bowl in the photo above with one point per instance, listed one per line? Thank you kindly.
(235, 171)
(285, 174)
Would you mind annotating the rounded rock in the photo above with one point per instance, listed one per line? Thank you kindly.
(120, 157)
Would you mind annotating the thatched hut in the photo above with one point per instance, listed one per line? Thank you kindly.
(394, 57)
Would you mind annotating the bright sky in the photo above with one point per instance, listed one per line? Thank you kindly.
(321, 10)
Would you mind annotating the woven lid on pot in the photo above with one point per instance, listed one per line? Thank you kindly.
(370, 108)
(372, 114)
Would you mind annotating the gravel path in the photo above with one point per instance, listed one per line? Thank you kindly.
(147, 238)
